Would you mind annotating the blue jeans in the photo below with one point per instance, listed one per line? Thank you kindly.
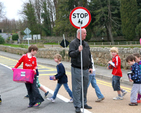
(116, 83)
(92, 80)
(66, 88)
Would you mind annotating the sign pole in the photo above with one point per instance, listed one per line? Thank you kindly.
(82, 71)
(28, 40)
(64, 40)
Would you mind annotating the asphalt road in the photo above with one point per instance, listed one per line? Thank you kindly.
(13, 94)
(13, 97)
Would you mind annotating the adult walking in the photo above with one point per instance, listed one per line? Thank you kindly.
(75, 53)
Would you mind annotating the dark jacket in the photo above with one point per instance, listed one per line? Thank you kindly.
(76, 55)
(61, 74)
(136, 77)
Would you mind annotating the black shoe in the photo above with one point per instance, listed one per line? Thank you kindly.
(133, 104)
(27, 96)
(87, 107)
(0, 100)
(77, 110)
(46, 94)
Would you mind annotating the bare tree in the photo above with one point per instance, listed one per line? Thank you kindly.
(2, 13)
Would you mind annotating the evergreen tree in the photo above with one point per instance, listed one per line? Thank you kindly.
(129, 18)
(46, 26)
(105, 17)
(31, 18)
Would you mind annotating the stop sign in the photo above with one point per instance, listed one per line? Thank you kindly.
(80, 17)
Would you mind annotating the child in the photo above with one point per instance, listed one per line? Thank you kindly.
(92, 80)
(39, 85)
(138, 60)
(117, 73)
(61, 77)
(136, 78)
(30, 62)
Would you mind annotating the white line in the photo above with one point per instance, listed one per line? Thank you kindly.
(63, 98)
(51, 91)
(6, 66)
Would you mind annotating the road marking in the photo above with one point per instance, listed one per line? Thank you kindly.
(51, 91)
(68, 73)
(47, 74)
(6, 66)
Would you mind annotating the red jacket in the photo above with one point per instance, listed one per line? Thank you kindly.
(117, 69)
(28, 63)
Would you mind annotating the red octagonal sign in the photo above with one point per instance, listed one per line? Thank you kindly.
(80, 17)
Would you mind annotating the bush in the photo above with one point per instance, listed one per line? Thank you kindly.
(15, 37)
(2, 41)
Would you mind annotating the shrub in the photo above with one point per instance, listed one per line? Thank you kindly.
(2, 41)
(15, 37)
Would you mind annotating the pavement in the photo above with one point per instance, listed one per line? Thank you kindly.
(107, 106)
(101, 72)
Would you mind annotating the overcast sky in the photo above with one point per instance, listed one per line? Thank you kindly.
(12, 8)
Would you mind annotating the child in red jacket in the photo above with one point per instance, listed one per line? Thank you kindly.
(117, 73)
(29, 62)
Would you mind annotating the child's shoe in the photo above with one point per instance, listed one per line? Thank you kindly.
(123, 94)
(71, 100)
(118, 98)
(46, 94)
(37, 104)
(138, 101)
(27, 96)
(133, 104)
(0, 100)
(100, 99)
(51, 99)
(30, 106)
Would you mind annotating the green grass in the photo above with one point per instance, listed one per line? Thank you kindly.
(14, 45)
(51, 43)
(103, 46)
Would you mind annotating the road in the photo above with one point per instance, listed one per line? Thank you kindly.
(13, 94)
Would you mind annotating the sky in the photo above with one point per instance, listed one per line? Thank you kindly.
(12, 8)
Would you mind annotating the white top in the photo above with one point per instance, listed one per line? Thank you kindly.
(92, 63)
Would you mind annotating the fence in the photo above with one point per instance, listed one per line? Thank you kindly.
(116, 43)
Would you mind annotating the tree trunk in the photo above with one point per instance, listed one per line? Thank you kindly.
(55, 4)
(109, 26)
(107, 32)
(110, 34)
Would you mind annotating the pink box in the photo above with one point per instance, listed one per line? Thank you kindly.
(23, 75)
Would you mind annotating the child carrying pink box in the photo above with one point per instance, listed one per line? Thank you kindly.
(29, 62)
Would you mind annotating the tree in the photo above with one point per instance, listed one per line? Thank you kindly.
(2, 41)
(29, 11)
(105, 16)
(138, 28)
(62, 23)
(46, 20)
(129, 18)
(2, 13)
